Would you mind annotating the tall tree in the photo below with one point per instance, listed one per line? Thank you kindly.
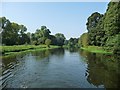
(12, 33)
(93, 20)
(92, 26)
(112, 19)
(112, 23)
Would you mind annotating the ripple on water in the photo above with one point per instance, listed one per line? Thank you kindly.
(7, 74)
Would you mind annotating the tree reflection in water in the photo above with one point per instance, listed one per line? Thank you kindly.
(102, 69)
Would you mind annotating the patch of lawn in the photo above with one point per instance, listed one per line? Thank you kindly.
(96, 49)
(6, 50)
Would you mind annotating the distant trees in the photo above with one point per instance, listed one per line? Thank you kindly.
(40, 35)
(73, 42)
(15, 34)
(60, 38)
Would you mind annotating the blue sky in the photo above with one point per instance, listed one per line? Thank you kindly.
(68, 18)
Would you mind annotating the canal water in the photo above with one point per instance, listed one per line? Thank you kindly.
(60, 68)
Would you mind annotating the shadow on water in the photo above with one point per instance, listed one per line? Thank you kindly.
(102, 69)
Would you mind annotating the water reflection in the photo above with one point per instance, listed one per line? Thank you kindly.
(72, 49)
(46, 53)
(60, 68)
(102, 69)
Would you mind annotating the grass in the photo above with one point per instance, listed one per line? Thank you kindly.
(65, 46)
(96, 49)
(6, 50)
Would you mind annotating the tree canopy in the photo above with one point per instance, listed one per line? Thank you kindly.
(104, 30)
(15, 34)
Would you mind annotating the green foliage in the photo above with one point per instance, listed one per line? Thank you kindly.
(104, 30)
(112, 19)
(96, 49)
(93, 21)
(73, 43)
(53, 39)
(13, 33)
(60, 39)
(43, 34)
(83, 40)
(95, 29)
(116, 48)
(17, 49)
(66, 42)
(48, 42)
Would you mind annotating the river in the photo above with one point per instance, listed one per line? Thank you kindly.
(60, 68)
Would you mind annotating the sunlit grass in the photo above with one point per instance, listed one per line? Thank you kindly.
(6, 50)
(96, 49)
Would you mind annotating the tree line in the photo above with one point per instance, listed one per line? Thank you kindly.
(104, 29)
(15, 34)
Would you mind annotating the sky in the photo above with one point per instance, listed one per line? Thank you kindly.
(68, 18)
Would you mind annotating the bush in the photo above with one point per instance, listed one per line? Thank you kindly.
(116, 50)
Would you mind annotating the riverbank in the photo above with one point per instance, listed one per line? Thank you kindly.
(96, 49)
(7, 50)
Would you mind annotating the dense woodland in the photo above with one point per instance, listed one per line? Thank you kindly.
(103, 31)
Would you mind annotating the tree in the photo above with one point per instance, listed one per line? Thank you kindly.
(104, 30)
(112, 19)
(116, 48)
(29, 38)
(60, 39)
(41, 35)
(66, 42)
(53, 39)
(6, 30)
(73, 42)
(94, 26)
(93, 20)
(83, 40)
(112, 24)
(48, 42)
(13, 33)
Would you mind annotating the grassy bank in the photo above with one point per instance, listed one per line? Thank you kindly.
(6, 50)
(96, 49)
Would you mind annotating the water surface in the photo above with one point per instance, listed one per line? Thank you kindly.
(60, 68)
